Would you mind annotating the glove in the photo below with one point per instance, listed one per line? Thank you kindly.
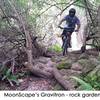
(60, 27)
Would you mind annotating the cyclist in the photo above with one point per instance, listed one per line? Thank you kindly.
(72, 24)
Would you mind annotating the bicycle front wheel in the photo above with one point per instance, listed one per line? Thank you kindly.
(65, 48)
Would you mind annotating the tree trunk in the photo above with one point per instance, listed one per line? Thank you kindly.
(98, 20)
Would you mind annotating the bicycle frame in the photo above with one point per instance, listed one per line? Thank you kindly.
(66, 43)
(66, 40)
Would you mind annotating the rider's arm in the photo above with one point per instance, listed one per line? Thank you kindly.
(61, 21)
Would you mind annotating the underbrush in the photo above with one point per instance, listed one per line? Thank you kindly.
(56, 48)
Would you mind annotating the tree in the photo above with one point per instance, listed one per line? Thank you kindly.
(19, 19)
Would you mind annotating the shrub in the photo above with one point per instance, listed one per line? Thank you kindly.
(56, 48)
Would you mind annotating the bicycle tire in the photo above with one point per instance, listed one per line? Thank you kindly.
(65, 48)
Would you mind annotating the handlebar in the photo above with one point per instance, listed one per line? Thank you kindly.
(60, 27)
(63, 27)
(67, 28)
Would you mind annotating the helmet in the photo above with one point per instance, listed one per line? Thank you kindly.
(72, 12)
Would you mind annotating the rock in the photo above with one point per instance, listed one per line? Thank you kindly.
(43, 60)
(69, 72)
(64, 72)
(83, 56)
(98, 57)
(58, 87)
(76, 66)
(87, 65)
(58, 59)
(20, 80)
(95, 72)
(65, 64)
(50, 64)
(94, 60)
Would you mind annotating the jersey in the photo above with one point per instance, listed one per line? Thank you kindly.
(70, 24)
(71, 21)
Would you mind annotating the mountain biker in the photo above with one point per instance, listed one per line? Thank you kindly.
(71, 22)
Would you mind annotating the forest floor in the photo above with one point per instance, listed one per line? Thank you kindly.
(31, 82)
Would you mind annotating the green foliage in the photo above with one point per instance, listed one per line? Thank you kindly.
(97, 2)
(7, 75)
(80, 2)
(20, 4)
(84, 84)
(56, 48)
(94, 80)
(92, 2)
(90, 82)
(6, 7)
(64, 65)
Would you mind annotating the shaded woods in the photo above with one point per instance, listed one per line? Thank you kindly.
(22, 40)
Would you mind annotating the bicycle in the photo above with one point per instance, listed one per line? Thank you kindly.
(66, 40)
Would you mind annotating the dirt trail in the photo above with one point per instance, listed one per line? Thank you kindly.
(32, 83)
(46, 84)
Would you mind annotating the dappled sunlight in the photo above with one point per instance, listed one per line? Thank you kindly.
(75, 44)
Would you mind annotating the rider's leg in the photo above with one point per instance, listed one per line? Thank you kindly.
(63, 33)
(62, 41)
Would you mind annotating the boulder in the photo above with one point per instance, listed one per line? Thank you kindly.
(83, 56)
(87, 65)
(95, 72)
(58, 87)
(69, 72)
(94, 60)
(65, 64)
(76, 66)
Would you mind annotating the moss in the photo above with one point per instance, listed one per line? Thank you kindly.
(56, 48)
(64, 65)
